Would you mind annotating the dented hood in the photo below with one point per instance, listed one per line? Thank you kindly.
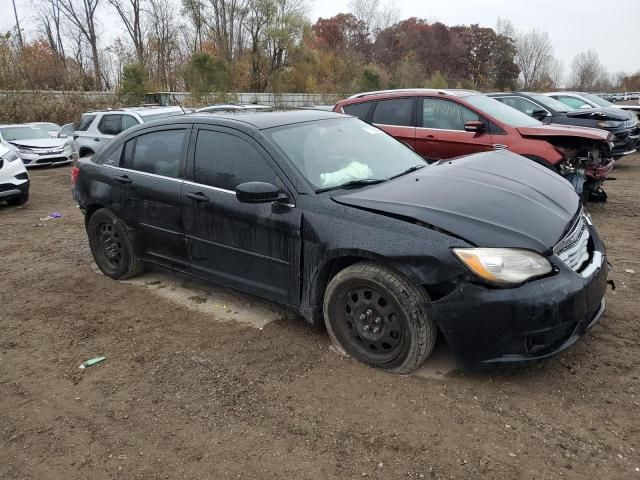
(493, 199)
(553, 130)
(614, 114)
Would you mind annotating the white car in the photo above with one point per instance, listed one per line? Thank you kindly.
(35, 146)
(96, 129)
(14, 179)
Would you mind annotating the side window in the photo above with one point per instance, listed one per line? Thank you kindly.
(159, 152)
(445, 115)
(128, 121)
(573, 102)
(110, 124)
(113, 158)
(225, 161)
(394, 112)
(360, 110)
(85, 122)
(522, 104)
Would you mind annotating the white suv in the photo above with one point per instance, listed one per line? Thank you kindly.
(14, 179)
(97, 128)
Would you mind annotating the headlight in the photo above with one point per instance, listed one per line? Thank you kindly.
(10, 156)
(609, 124)
(503, 266)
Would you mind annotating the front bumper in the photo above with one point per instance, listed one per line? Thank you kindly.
(485, 326)
(600, 172)
(626, 142)
(39, 160)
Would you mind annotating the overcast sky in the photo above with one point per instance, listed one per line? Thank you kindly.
(612, 28)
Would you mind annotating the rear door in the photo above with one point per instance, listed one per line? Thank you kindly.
(440, 133)
(152, 178)
(251, 247)
(397, 117)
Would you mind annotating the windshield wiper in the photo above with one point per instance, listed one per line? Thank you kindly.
(408, 170)
(353, 183)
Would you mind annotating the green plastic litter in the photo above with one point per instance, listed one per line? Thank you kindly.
(92, 361)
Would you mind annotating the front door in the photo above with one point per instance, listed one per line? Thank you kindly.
(152, 180)
(251, 247)
(441, 134)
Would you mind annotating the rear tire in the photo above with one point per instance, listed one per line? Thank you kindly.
(113, 245)
(374, 314)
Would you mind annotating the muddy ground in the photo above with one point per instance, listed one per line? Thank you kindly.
(190, 391)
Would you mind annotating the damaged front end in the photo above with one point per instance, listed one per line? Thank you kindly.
(586, 165)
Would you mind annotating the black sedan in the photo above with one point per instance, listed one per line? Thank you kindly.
(335, 218)
(622, 124)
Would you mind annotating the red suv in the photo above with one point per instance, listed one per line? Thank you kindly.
(443, 124)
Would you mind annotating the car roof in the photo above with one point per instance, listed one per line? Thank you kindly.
(7, 125)
(142, 111)
(416, 92)
(258, 119)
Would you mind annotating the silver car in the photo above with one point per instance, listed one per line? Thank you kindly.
(35, 146)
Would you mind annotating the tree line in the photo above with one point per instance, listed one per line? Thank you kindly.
(205, 46)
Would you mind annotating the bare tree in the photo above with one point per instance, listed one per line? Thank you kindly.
(50, 18)
(224, 20)
(533, 54)
(587, 71)
(18, 31)
(81, 15)
(130, 12)
(555, 72)
(195, 12)
(163, 32)
(375, 16)
(505, 27)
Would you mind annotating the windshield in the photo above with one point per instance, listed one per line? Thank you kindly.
(332, 153)
(10, 134)
(597, 100)
(551, 103)
(501, 112)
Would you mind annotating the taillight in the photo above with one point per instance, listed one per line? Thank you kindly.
(75, 171)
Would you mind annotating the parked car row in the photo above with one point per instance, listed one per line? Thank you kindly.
(332, 216)
(446, 124)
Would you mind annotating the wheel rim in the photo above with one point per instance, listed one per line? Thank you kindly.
(110, 245)
(370, 322)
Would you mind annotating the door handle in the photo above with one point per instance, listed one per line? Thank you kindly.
(430, 137)
(123, 179)
(198, 197)
(96, 139)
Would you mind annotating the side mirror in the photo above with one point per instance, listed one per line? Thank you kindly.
(63, 135)
(259, 192)
(585, 107)
(475, 126)
(539, 114)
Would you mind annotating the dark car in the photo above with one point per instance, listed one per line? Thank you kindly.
(336, 219)
(445, 124)
(547, 109)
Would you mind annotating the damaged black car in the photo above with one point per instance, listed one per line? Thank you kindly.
(336, 219)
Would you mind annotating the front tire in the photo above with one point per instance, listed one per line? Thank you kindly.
(113, 246)
(21, 200)
(374, 314)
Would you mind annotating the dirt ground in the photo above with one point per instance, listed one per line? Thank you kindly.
(189, 392)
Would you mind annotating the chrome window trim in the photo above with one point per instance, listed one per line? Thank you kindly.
(449, 130)
(148, 174)
(209, 187)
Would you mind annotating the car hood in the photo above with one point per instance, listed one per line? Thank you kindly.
(614, 114)
(553, 130)
(39, 143)
(492, 199)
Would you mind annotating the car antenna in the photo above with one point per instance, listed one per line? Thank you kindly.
(173, 95)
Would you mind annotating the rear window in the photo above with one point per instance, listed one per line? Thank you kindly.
(85, 122)
(160, 152)
(360, 110)
(394, 112)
